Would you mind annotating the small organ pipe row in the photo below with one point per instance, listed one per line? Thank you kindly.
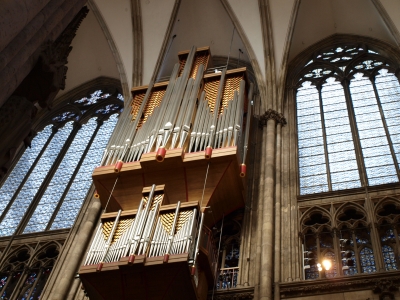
(149, 233)
(185, 118)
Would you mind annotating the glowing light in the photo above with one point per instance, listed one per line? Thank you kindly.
(327, 264)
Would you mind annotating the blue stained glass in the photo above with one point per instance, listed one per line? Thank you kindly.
(372, 145)
(337, 121)
(311, 151)
(366, 134)
(378, 160)
(346, 185)
(309, 126)
(382, 180)
(350, 270)
(305, 119)
(309, 134)
(367, 260)
(311, 160)
(313, 189)
(332, 272)
(389, 258)
(315, 111)
(313, 180)
(335, 115)
(389, 235)
(337, 138)
(376, 151)
(381, 171)
(369, 125)
(343, 166)
(312, 170)
(338, 147)
(57, 185)
(304, 105)
(31, 186)
(342, 156)
(25, 162)
(375, 141)
(350, 175)
(74, 199)
(310, 142)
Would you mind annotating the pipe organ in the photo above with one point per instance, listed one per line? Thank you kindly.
(172, 169)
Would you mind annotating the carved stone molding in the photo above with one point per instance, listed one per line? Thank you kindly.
(16, 117)
(272, 114)
(385, 289)
(48, 75)
(383, 284)
(233, 294)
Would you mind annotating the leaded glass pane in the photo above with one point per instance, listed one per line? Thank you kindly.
(342, 156)
(337, 138)
(313, 189)
(367, 112)
(332, 272)
(338, 135)
(389, 94)
(76, 194)
(345, 176)
(57, 185)
(311, 151)
(367, 260)
(345, 185)
(311, 134)
(383, 180)
(389, 258)
(350, 270)
(31, 186)
(26, 161)
(313, 170)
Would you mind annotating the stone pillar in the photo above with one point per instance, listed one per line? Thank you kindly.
(73, 258)
(277, 250)
(266, 215)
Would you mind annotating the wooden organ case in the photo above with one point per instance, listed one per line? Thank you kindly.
(173, 171)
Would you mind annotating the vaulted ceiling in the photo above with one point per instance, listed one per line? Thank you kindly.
(112, 43)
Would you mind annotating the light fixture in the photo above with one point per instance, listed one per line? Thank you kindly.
(319, 267)
(327, 264)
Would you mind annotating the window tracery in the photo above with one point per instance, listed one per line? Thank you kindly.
(46, 188)
(347, 104)
(26, 271)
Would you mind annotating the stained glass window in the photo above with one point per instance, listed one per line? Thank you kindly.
(348, 109)
(367, 260)
(49, 183)
(389, 258)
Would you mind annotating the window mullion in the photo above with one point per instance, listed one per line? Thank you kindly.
(54, 131)
(48, 178)
(328, 172)
(354, 132)
(99, 124)
(356, 253)
(396, 164)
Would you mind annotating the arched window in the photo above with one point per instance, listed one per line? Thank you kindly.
(49, 183)
(26, 271)
(348, 108)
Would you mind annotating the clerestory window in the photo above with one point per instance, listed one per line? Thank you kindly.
(49, 183)
(348, 109)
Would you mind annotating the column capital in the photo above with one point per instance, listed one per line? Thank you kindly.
(272, 114)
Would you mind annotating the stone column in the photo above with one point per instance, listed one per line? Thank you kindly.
(277, 250)
(266, 215)
(73, 258)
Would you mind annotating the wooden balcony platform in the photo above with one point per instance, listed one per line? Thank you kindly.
(183, 175)
(146, 278)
